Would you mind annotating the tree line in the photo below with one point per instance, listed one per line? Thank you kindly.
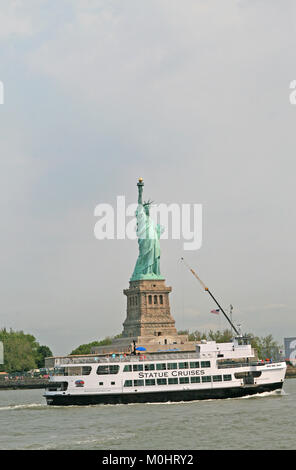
(266, 346)
(22, 352)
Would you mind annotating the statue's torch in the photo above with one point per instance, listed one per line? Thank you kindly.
(140, 185)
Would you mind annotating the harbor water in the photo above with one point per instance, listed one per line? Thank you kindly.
(259, 422)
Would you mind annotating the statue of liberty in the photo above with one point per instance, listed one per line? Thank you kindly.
(147, 265)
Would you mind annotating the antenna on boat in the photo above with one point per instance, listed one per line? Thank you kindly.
(209, 292)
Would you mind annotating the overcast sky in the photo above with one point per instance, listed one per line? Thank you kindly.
(194, 97)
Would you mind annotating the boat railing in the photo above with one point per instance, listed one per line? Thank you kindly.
(129, 358)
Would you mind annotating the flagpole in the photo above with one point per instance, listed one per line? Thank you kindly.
(226, 316)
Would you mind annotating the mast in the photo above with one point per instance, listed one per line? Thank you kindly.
(210, 293)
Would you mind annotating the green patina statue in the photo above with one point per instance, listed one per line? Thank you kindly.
(147, 265)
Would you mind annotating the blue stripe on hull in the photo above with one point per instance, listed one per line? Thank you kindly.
(164, 396)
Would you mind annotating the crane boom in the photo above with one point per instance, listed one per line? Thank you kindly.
(210, 293)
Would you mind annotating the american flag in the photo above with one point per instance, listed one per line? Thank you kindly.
(217, 311)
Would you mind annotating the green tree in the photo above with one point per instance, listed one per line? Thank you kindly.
(220, 336)
(42, 353)
(20, 351)
(86, 348)
(197, 336)
(266, 346)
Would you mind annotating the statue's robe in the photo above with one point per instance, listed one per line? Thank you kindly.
(149, 248)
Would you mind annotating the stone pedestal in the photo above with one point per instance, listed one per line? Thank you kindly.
(148, 321)
(148, 309)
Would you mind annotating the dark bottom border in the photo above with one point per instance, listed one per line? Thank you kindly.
(137, 458)
(162, 397)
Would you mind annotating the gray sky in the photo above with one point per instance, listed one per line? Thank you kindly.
(192, 96)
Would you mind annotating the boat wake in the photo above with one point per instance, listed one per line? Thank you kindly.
(274, 393)
(23, 406)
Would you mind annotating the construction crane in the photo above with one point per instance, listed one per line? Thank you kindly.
(209, 292)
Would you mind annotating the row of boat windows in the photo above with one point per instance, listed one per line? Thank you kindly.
(166, 366)
(111, 369)
(176, 380)
(86, 370)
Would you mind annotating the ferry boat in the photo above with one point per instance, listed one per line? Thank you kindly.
(213, 371)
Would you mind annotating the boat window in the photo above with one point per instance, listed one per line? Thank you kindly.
(172, 365)
(56, 386)
(242, 375)
(103, 370)
(206, 378)
(228, 363)
(161, 381)
(256, 373)
(183, 365)
(184, 380)
(127, 368)
(101, 383)
(108, 369)
(73, 371)
(149, 366)
(217, 378)
(150, 382)
(138, 383)
(226, 377)
(194, 365)
(60, 371)
(195, 380)
(112, 383)
(137, 367)
(205, 364)
(128, 383)
(173, 380)
(161, 366)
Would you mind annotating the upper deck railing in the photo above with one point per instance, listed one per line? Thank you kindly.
(129, 358)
